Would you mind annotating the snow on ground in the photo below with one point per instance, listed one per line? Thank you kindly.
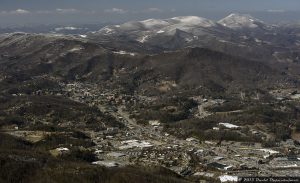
(288, 166)
(134, 143)
(228, 178)
(83, 36)
(107, 30)
(124, 53)
(106, 163)
(75, 49)
(205, 174)
(229, 125)
(189, 40)
(223, 41)
(296, 96)
(160, 31)
(62, 149)
(258, 40)
(143, 39)
(270, 151)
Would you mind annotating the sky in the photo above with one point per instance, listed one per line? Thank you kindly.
(101, 11)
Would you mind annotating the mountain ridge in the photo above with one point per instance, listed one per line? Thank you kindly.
(154, 24)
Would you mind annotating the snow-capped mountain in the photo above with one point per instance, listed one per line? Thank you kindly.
(157, 26)
(189, 24)
(151, 29)
(236, 34)
(239, 21)
(192, 21)
(180, 30)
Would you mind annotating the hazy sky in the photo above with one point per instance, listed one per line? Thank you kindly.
(89, 11)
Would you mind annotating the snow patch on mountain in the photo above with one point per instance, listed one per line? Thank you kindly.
(188, 40)
(194, 21)
(236, 21)
(154, 23)
(67, 28)
(158, 26)
(143, 31)
(83, 36)
(143, 39)
(124, 53)
(107, 30)
(76, 49)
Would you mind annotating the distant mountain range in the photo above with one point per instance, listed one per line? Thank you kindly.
(237, 34)
(238, 51)
(53, 28)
